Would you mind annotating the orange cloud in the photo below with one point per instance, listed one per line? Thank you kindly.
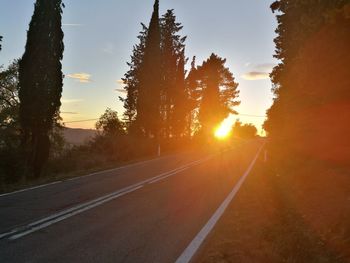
(256, 75)
(81, 77)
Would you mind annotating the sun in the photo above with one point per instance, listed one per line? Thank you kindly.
(223, 131)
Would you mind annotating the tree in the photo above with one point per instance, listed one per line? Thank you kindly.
(193, 98)
(245, 131)
(219, 91)
(132, 79)
(148, 101)
(181, 100)
(109, 124)
(173, 60)
(310, 83)
(0, 42)
(9, 106)
(9, 86)
(41, 81)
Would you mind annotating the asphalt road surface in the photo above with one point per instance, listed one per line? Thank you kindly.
(146, 212)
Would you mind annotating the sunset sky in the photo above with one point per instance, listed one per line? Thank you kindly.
(99, 36)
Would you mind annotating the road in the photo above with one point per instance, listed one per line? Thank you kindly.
(147, 212)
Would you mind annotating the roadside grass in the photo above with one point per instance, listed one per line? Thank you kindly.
(301, 215)
(50, 177)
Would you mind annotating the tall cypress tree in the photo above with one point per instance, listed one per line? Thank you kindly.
(172, 53)
(181, 99)
(132, 79)
(41, 81)
(148, 101)
(193, 92)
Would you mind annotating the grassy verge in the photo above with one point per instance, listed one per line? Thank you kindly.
(49, 178)
(301, 215)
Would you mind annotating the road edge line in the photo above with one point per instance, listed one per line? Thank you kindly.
(195, 244)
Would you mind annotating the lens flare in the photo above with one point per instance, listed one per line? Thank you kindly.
(223, 131)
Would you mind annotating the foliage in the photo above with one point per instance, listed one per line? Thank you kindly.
(132, 79)
(193, 100)
(219, 91)
(148, 101)
(9, 103)
(167, 98)
(181, 107)
(10, 155)
(311, 82)
(109, 124)
(41, 82)
(173, 95)
(245, 131)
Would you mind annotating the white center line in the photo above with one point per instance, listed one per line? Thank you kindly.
(67, 213)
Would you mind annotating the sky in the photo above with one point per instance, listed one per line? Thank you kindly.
(99, 36)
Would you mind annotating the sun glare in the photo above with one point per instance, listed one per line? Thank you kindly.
(223, 131)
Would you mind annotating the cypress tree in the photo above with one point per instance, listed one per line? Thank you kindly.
(181, 99)
(148, 101)
(193, 92)
(132, 80)
(41, 81)
(172, 53)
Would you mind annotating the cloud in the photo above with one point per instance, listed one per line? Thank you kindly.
(68, 101)
(69, 112)
(258, 71)
(72, 24)
(81, 77)
(266, 67)
(120, 82)
(121, 91)
(255, 75)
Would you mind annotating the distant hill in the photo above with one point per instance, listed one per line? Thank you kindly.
(78, 136)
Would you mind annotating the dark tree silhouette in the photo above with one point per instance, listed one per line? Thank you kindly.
(9, 102)
(40, 79)
(219, 91)
(173, 46)
(193, 100)
(109, 124)
(148, 101)
(132, 80)
(244, 131)
(0, 42)
(181, 102)
(9, 106)
(311, 82)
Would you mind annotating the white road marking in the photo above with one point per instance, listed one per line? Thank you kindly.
(79, 177)
(70, 214)
(67, 213)
(30, 188)
(165, 176)
(193, 247)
